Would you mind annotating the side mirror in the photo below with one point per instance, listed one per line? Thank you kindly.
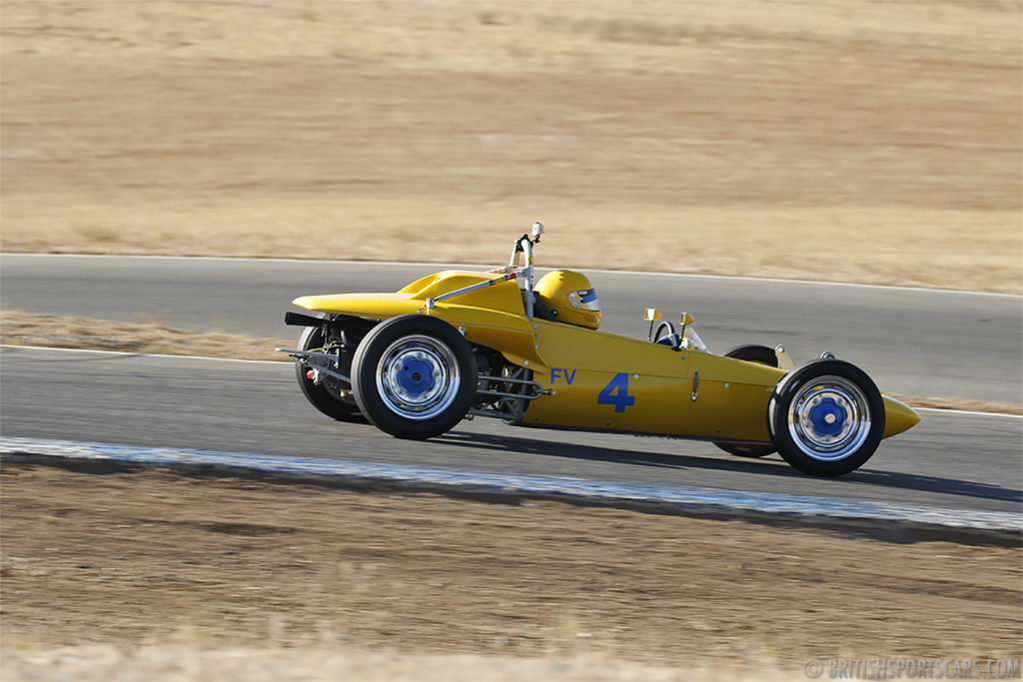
(651, 315)
(537, 231)
(685, 319)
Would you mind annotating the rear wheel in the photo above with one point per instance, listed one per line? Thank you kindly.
(764, 356)
(826, 418)
(414, 376)
(325, 396)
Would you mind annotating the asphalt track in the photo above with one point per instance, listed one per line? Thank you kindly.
(949, 460)
(919, 342)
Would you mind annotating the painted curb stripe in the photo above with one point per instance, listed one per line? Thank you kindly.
(678, 496)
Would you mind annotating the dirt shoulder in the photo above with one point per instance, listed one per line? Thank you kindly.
(812, 139)
(138, 558)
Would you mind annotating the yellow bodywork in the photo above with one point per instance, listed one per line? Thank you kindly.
(898, 417)
(598, 381)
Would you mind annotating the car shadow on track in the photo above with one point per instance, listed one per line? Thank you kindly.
(934, 484)
(761, 467)
(596, 453)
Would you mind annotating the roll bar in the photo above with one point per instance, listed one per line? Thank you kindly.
(523, 244)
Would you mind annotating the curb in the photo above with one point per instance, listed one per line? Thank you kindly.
(893, 522)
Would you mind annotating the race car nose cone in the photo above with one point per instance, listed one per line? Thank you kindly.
(898, 417)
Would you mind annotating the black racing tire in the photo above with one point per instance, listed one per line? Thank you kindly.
(826, 418)
(414, 376)
(764, 356)
(322, 399)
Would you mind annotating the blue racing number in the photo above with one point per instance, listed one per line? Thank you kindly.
(617, 393)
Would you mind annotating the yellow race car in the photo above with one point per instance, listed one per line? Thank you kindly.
(458, 344)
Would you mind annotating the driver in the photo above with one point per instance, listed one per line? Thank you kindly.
(569, 297)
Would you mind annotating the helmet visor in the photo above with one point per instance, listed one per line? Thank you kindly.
(584, 300)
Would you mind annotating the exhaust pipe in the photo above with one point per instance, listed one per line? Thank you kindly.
(300, 320)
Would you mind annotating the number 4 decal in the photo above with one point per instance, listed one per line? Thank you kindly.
(617, 393)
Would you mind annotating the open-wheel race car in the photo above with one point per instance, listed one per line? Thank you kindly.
(459, 344)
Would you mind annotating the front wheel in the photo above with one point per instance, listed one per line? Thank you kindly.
(414, 376)
(762, 355)
(826, 417)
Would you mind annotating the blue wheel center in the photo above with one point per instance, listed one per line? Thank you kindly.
(827, 418)
(416, 376)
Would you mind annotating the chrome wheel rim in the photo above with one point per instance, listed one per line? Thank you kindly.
(417, 377)
(829, 418)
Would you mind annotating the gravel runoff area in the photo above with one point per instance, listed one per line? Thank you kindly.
(126, 565)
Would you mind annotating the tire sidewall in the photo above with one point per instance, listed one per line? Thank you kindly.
(762, 355)
(320, 398)
(781, 401)
(366, 363)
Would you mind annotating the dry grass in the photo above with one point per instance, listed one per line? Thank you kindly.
(27, 329)
(965, 404)
(817, 139)
(24, 329)
(189, 660)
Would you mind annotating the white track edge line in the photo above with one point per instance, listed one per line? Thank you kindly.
(691, 497)
(441, 264)
(936, 410)
(968, 413)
